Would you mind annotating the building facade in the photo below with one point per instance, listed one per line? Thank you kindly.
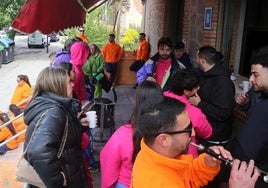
(237, 28)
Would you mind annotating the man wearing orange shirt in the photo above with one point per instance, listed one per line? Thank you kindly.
(112, 53)
(81, 34)
(142, 53)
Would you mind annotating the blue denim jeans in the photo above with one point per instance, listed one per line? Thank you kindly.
(3, 149)
(119, 185)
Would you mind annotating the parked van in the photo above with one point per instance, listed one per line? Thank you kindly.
(37, 39)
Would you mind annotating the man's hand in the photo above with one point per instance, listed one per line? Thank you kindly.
(195, 100)
(212, 161)
(243, 175)
(242, 99)
(149, 78)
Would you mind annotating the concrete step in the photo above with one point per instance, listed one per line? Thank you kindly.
(8, 166)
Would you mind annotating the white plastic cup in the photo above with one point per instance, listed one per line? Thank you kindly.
(245, 86)
(92, 118)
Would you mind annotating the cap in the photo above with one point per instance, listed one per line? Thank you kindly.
(179, 45)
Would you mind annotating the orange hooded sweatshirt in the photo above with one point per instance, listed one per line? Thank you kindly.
(5, 133)
(21, 92)
(154, 170)
(112, 52)
(143, 51)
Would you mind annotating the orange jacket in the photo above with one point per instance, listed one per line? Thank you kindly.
(112, 52)
(5, 133)
(83, 37)
(21, 92)
(154, 170)
(143, 51)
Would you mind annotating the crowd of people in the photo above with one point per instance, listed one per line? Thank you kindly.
(176, 104)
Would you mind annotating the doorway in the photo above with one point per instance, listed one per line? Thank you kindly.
(255, 33)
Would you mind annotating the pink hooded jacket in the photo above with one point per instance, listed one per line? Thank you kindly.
(199, 121)
(79, 54)
(116, 158)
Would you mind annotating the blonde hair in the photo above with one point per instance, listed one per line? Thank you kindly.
(51, 80)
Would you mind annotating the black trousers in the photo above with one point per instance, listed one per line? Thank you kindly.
(136, 65)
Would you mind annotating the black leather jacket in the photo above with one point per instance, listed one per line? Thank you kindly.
(44, 146)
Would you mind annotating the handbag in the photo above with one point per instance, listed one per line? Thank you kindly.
(25, 171)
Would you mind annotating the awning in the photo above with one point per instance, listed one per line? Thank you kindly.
(51, 15)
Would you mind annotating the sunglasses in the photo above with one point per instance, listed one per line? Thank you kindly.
(187, 129)
(82, 30)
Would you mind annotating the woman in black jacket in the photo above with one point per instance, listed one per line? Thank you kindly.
(53, 91)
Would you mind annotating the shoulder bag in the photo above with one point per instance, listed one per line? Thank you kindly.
(25, 171)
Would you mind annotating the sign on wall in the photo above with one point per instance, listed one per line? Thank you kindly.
(208, 18)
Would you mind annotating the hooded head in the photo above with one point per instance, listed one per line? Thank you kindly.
(79, 53)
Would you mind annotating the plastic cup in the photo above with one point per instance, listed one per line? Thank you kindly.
(245, 86)
(92, 118)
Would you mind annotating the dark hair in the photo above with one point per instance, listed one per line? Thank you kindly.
(209, 54)
(52, 55)
(179, 45)
(97, 49)
(165, 41)
(148, 92)
(15, 109)
(184, 79)
(77, 39)
(260, 57)
(157, 118)
(219, 57)
(112, 35)
(68, 43)
(143, 34)
(24, 78)
(4, 118)
(66, 66)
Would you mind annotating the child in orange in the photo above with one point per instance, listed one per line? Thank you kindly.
(22, 91)
(9, 131)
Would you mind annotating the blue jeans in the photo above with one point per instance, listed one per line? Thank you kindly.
(4, 149)
(119, 185)
(111, 68)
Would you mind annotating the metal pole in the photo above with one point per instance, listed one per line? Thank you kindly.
(47, 44)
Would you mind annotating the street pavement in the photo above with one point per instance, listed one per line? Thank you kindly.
(31, 62)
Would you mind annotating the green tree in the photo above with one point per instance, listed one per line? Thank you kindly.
(130, 39)
(96, 29)
(8, 11)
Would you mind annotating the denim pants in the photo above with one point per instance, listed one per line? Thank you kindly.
(3, 149)
(111, 68)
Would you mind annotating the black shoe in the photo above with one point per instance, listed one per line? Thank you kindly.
(135, 86)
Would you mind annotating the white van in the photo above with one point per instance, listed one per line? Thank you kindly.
(37, 39)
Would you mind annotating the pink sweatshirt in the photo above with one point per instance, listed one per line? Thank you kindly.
(199, 121)
(116, 158)
(79, 54)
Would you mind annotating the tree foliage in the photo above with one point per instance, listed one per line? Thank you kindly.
(8, 10)
(96, 29)
(130, 39)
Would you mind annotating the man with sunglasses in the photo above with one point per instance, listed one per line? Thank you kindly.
(167, 130)
(81, 34)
